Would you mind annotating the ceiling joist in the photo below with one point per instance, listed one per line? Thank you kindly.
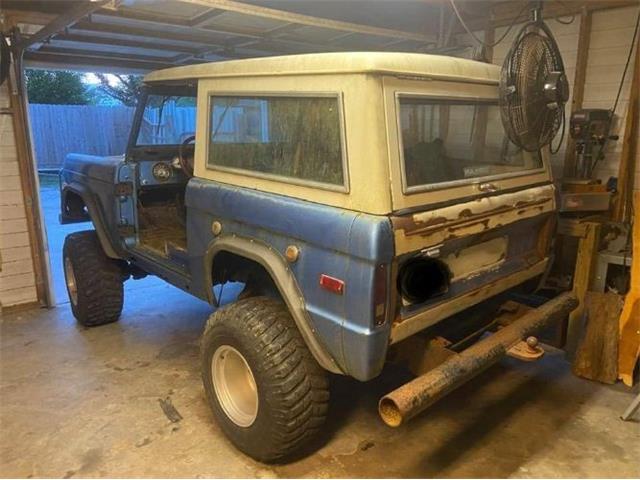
(129, 34)
(75, 13)
(300, 19)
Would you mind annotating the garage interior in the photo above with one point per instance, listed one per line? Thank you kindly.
(126, 399)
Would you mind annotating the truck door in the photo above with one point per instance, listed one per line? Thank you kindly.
(125, 198)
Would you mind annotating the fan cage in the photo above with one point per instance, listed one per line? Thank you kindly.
(531, 118)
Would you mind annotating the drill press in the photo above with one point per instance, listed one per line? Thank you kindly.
(581, 192)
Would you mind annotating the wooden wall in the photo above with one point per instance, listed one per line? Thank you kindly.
(609, 42)
(17, 278)
(611, 33)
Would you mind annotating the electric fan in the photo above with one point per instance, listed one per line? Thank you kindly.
(533, 86)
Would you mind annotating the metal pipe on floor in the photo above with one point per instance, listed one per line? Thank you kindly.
(412, 398)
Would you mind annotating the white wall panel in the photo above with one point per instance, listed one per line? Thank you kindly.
(17, 278)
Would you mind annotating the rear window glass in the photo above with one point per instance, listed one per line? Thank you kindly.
(293, 137)
(446, 141)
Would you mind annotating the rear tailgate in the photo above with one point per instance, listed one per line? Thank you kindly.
(488, 245)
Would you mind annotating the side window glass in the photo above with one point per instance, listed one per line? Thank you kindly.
(295, 137)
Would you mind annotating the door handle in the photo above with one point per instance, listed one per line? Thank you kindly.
(488, 187)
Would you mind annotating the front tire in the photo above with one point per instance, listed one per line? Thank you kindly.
(266, 391)
(94, 281)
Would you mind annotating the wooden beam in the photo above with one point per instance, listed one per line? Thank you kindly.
(584, 39)
(75, 13)
(627, 168)
(194, 36)
(281, 30)
(505, 13)
(121, 42)
(629, 346)
(129, 65)
(277, 45)
(146, 16)
(291, 44)
(28, 178)
(587, 251)
(203, 52)
(300, 19)
(209, 38)
(489, 39)
(77, 52)
(13, 17)
(203, 18)
(479, 139)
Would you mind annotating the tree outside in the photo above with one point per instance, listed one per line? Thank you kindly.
(57, 87)
(60, 87)
(124, 88)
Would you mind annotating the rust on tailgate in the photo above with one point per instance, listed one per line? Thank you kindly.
(424, 229)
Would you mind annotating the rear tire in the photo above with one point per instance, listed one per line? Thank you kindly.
(255, 339)
(94, 281)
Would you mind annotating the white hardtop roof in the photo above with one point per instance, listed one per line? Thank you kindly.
(389, 63)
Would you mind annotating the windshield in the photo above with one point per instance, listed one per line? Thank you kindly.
(455, 141)
(167, 120)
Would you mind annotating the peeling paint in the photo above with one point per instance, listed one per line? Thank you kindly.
(420, 230)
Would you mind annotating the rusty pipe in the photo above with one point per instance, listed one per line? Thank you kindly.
(413, 397)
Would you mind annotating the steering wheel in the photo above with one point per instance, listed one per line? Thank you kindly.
(185, 158)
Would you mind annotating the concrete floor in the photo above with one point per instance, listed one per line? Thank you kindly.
(85, 402)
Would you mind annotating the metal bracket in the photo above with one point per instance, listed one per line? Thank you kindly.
(526, 350)
(123, 189)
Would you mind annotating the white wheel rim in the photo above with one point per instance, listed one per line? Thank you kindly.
(234, 385)
(70, 279)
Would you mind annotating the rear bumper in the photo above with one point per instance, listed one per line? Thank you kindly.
(432, 315)
(415, 396)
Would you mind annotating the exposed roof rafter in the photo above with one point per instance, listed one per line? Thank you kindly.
(129, 33)
(62, 21)
(300, 19)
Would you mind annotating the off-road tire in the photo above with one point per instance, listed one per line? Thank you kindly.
(292, 388)
(99, 280)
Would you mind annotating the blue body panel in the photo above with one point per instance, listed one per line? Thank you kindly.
(94, 178)
(337, 242)
(341, 243)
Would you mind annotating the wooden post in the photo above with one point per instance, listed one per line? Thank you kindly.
(626, 170)
(584, 38)
(629, 346)
(481, 119)
(587, 251)
(28, 180)
(487, 48)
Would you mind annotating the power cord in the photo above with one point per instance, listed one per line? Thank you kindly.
(615, 104)
(513, 22)
(473, 35)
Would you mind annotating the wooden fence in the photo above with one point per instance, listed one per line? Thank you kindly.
(61, 129)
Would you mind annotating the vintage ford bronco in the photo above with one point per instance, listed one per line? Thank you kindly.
(365, 200)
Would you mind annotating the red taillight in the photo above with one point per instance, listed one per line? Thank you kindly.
(332, 284)
(380, 284)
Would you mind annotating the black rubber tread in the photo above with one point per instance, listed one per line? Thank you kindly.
(293, 389)
(99, 280)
